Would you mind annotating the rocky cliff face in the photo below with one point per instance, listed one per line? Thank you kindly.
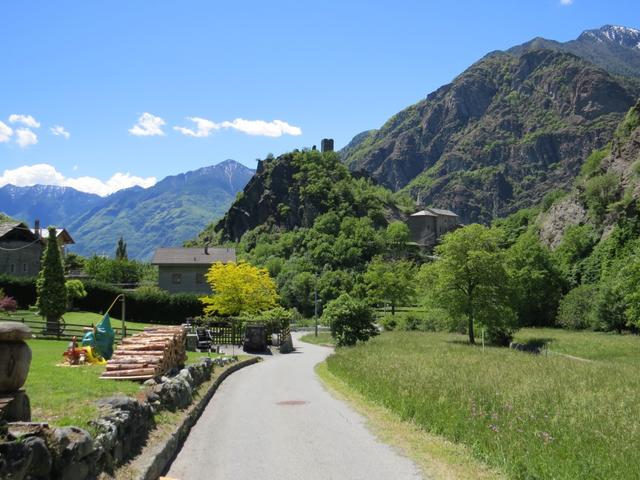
(619, 200)
(500, 136)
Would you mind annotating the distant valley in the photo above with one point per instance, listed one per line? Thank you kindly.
(167, 214)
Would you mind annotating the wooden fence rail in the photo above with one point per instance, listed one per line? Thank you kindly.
(66, 331)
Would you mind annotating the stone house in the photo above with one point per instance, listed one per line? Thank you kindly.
(20, 250)
(183, 269)
(21, 247)
(428, 225)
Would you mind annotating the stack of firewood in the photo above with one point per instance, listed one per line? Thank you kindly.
(148, 354)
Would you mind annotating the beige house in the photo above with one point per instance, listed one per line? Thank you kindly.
(428, 225)
(182, 270)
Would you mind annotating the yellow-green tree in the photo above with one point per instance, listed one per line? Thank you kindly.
(239, 288)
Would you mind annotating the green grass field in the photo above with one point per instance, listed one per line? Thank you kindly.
(66, 395)
(530, 416)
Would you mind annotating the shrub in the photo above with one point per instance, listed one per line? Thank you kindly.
(600, 191)
(593, 161)
(409, 322)
(576, 307)
(8, 304)
(437, 319)
(350, 320)
(147, 304)
(75, 291)
(388, 322)
(22, 289)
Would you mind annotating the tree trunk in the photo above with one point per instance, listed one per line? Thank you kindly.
(393, 309)
(53, 325)
(472, 339)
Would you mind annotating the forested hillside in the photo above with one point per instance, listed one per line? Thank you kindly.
(307, 219)
(594, 231)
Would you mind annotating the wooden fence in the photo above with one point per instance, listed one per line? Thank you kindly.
(382, 311)
(231, 333)
(66, 331)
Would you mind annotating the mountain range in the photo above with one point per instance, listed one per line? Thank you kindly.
(508, 130)
(166, 214)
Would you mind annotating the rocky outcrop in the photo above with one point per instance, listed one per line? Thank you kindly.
(622, 163)
(290, 192)
(499, 137)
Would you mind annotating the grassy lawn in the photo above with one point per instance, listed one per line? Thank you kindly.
(529, 416)
(323, 338)
(66, 395)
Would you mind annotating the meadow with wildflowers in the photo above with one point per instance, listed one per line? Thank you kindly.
(556, 415)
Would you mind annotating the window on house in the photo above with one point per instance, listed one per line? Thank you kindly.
(199, 278)
(12, 268)
(176, 278)
(24, 268)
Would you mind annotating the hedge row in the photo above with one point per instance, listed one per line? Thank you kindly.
(22, 289)
(145, 307)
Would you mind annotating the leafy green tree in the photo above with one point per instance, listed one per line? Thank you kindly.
(239, 289)
(298, 292)
(577, 307)
(536, 281)
(108, 270)
(333, 283)
(576, 245)
(75, 291)
(350, 320)
(397, 237)
(629, 282)
(391, 282)
(73, 261)
(50, 286)
(610, 307)
(121, 250)
(470, 279)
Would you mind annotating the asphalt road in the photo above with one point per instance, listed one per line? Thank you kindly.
(274, 420)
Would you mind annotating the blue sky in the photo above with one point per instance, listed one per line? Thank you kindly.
(323, 69)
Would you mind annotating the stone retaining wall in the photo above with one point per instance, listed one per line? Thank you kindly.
(35, 451)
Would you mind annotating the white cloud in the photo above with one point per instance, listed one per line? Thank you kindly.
(45, 174)
(5, 132)
(148, 126)
(26, 120)
(275, 128)
(25, 137)
(204, 127)
(566, 2)
(59, 131)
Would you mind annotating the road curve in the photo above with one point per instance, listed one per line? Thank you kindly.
(274, 420)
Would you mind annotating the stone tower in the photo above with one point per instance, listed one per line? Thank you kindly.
(326, 145)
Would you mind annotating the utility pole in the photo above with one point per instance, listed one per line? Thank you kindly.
(315, 303)
(124, 305)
